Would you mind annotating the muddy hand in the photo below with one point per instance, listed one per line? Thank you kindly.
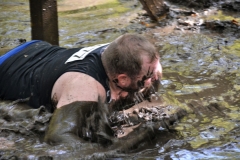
(142, 95)
(146, 93)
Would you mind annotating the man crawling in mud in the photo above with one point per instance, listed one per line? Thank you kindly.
(73, 82)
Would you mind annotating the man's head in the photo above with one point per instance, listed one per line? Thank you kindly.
(131, 62)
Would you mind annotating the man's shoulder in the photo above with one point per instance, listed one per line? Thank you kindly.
(75, 86)
(79, 81)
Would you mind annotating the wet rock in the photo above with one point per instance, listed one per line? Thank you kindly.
(222, 24)
(231, 5)
(192, 3)
(6, 144)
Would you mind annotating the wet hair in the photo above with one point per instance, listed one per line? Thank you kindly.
(124, 55)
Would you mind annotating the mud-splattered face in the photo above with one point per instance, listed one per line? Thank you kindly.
(150, 72)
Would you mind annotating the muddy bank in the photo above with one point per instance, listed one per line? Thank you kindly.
(200, 57)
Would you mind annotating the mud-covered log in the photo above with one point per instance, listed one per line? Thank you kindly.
(156, 9)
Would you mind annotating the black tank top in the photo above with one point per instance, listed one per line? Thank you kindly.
(33, 71)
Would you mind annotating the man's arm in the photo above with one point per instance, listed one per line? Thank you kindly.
(67, 122)
(79, 121)
(75, 86)
(77, 96)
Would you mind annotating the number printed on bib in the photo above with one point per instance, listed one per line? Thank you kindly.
(82, 53)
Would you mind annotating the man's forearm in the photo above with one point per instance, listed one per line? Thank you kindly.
(67, 122)
(78, 121)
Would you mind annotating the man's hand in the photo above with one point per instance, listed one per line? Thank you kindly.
(146, 93)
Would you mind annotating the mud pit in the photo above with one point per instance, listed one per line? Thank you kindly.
(201, 68)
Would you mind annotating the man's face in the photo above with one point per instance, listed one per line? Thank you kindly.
(150, 72)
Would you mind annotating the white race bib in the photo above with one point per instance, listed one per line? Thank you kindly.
(82, 53)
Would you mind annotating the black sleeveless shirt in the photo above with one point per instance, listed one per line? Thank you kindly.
(33, 71)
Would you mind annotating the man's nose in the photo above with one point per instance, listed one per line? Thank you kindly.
(159, 71)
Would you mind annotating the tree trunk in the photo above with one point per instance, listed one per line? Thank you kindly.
(156, 9)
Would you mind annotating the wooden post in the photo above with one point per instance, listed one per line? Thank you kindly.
(44, 20)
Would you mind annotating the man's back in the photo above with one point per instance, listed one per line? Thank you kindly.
(33, 71)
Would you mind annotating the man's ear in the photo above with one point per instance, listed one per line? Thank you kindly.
(123, 80)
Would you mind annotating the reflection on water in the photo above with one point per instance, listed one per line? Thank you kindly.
(203, 81)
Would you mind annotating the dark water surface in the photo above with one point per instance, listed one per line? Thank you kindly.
(201, 73)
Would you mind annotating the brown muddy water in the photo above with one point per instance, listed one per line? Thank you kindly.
(200, 55)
